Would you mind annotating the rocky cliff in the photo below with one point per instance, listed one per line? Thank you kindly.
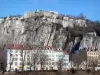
(49, 28)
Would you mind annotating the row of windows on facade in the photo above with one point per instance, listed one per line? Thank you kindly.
(46, 68)
(50, 55)
(47, 63)
(93, 57)
(44, 48)
(47, 51)
(92, 50)
(19, 51)
(28, 59)
(92, 53)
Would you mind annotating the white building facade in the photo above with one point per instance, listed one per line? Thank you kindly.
(35, 58)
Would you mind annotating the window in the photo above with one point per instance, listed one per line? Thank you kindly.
(41, 51)
(46, 59)
(53, 63)
(49, 51)
(65, 64)
(12, 68)
(52, 55)
(28, 63)
(16, 51)
(16, 55)
(20, 55)
(59, 56)
(28, 67)
(49, 63)
(36, 69)
(28, 55)
(42, 68)
(47, 55)
(20, 51)
(46, 68)
(21, 59)
(16, 63)
(65, 59)
(45, 51)
(15, 59)
(52, 59)
(49, 59)
(92, 53)
(51, 68)
(20, 63)
(11, 51)
(28, 51)
(28, 59)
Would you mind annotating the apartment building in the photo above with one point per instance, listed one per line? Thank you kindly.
(88, 57)
(35, 58)
(93, 57)
(93, 54)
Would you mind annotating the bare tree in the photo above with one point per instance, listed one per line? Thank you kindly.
(60, 64)
(11, 60)
(34, 59)
(23, 54)
(42, 59)
(93, 63)
(78, 58)
(3, 57)
(11, 56)
(23, 59)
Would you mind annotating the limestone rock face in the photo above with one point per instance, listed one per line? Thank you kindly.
(90, 42)
(46, 28)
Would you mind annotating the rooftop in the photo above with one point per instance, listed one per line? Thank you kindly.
(31, 47)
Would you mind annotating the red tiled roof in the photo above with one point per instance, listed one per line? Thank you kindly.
(29, 47)
(65, 52)
(49, 47)
(17, 46)
(9, 45)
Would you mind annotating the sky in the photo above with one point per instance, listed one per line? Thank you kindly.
(90, 8)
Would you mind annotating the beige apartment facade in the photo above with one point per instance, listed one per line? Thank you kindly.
(93, 55)
(93, 59)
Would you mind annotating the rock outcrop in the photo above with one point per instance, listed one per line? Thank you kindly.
(49, 28)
